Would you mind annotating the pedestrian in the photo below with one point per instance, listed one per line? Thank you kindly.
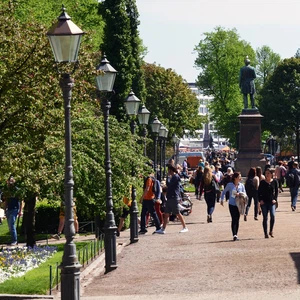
(267, 195)
(292, 180)
(125, 211)
(234, 188)
(13, 207)
(226, 179)
(148, 203)
(197, 180)
(172, 200)
(251, 186)
(208, 185)
(61, 223)
(282, 172)
(218, 177)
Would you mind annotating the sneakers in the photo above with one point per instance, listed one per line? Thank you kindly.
(12, 244)
(56, 236)
(185, 229)
(160, 231)
(143, 231)
(235, 238)
(245, 218)
(76, 236)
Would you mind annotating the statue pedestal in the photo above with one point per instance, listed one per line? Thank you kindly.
(250, 153)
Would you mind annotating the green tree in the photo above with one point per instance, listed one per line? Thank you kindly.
(266, 62)
(84, 14)
(221, 54)
(123, 48)
(280, 103)
(32, 122)
(171, 100)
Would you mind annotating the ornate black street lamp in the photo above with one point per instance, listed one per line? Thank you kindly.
(143, 116)
(65, 38)
(161, 135)
(132, 104)
(164, 152)
(155, 126)
(176, 140)
(105, 82)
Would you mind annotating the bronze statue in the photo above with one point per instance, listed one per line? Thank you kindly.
(247, 76)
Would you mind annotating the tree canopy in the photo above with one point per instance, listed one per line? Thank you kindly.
(280, 103)
(221, 54)
(171, 100)
(32, 122)
(123, 47)
(266, 62)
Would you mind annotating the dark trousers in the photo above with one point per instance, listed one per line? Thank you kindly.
(210, 199)
(253, 196)
(149, 206)
(235, 219)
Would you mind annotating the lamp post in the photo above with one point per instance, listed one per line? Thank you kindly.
(65, 38)
(161, 135)
(164, 152)
(105, 82)
(176, 148)
(132, 106)
(155, 125)
(143, 116)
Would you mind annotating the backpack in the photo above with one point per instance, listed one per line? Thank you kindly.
(290, 179)
(249, 186)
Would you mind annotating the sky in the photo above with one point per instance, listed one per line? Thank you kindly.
(170, 29)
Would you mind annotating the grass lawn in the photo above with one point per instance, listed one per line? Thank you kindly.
(5, 236)
(37, 281)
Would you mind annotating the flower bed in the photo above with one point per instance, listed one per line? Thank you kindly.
(15, 262)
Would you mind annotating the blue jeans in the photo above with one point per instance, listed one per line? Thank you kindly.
(268, 207)
(294, 195)
(11, 215)
(149, 206)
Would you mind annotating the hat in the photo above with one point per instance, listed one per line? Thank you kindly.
(172, 168)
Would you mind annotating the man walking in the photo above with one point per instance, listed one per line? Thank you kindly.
(13, 208)
(148, 204)
(173, 197)
(293, 178)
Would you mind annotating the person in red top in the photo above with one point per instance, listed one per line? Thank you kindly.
(148, 204)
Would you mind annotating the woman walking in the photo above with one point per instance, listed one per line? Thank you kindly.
(251, 186)
(208, 185)
(197, 180)
(234, 188)
(267, 195)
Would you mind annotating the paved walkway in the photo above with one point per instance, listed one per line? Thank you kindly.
(204, 263)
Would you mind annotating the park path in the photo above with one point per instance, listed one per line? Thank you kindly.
(205, 263)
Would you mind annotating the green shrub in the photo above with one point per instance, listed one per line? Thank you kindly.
(47, 216)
